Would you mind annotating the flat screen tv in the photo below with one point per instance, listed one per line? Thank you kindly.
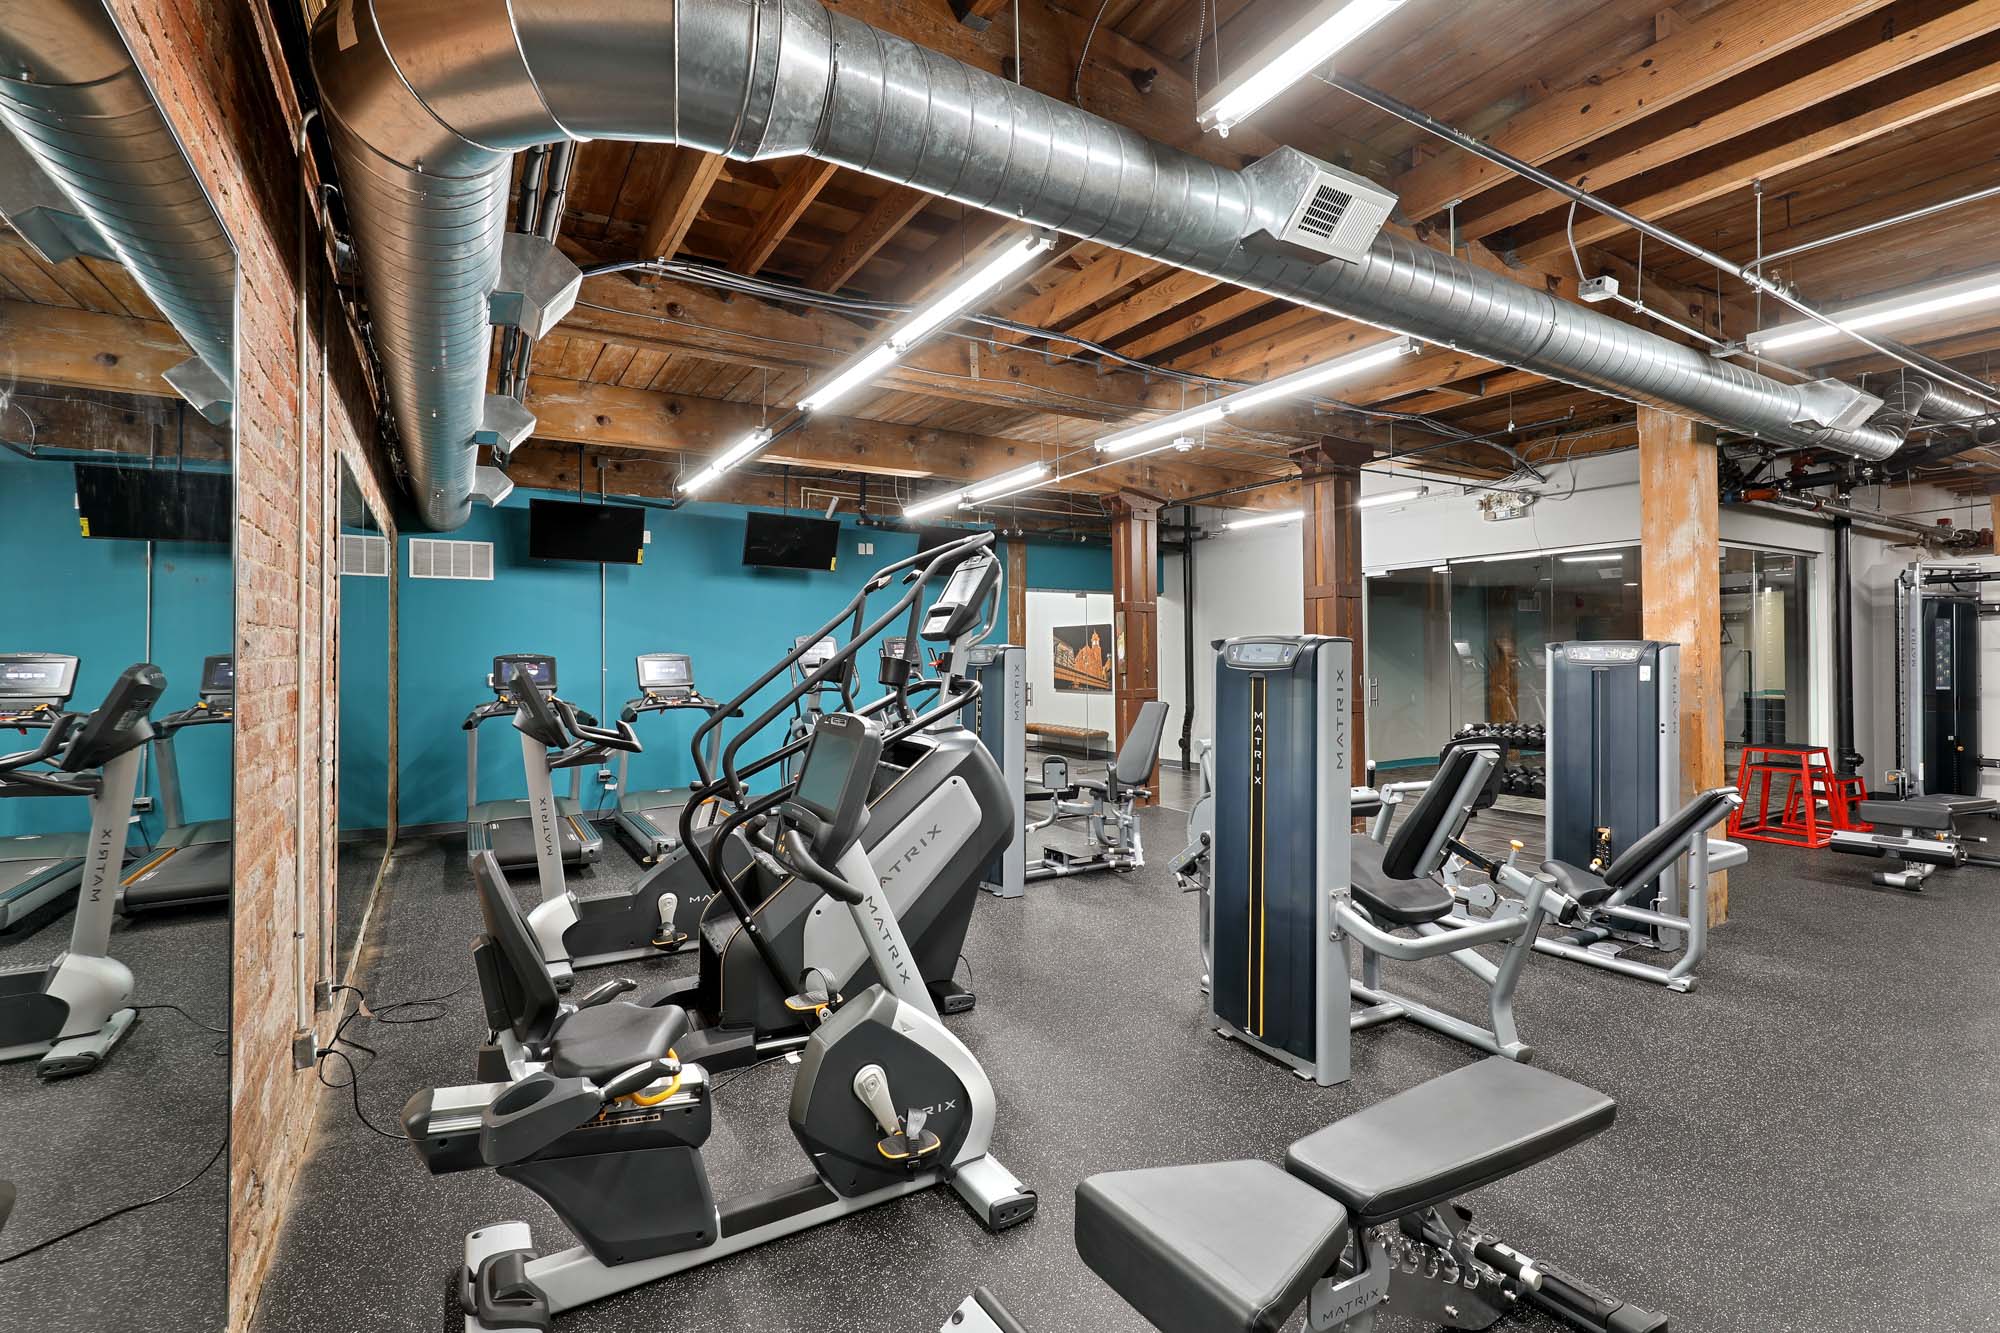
(152, 504)
(598, 533)
(779, 541)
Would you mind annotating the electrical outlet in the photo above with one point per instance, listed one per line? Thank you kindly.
(305, 1050)
(142, 805)
(322, 996)
(606, 778)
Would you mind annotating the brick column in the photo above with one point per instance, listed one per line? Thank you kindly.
(1333, 582)
(1135, 608)
(1679, 550)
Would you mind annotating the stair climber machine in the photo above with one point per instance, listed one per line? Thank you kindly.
(809, 705)
(609, 1131)
(938, 814)
(505, 827)
(647, 820)
(38, 871)
(72, 1012)
(190, 865)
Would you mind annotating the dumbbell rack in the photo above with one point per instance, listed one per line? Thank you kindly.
(1515, 738)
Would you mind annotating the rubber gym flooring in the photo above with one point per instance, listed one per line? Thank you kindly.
(1807, 1142)
(142, 1123)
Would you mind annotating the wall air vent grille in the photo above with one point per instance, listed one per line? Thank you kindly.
(1324, 211)
(435, 558)
(1328, 213)
(364, 557)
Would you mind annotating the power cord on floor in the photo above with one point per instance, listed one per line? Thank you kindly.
(58, 1239)
(220, 1048)
(386, 1016)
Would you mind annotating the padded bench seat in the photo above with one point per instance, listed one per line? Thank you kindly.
(1940, 812)
(1440, 1139)
(1400, 902)
(1207, 1248)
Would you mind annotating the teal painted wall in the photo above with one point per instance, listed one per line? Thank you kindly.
(67, 594)
(693, 595)
(364, 691)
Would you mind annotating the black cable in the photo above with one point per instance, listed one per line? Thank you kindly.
(184, 1014)
(60, 1237)
(385, 1016)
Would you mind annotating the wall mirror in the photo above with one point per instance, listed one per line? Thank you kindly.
(117, 670)
(367, 716)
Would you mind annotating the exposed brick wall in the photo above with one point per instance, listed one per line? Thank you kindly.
(207, 64)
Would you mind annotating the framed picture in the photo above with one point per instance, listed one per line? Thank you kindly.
(1083, 658)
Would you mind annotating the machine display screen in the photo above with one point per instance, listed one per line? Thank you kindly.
(819, 654)
(541, 670)
(1261, 654)
(218, 675)
(1604, 652)
(830, 770)
(37, 677)
(664, 670)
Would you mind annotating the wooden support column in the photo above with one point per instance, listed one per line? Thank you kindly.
(1135, 609)
(1679, 512)
(1017, 591)
(1332, 524)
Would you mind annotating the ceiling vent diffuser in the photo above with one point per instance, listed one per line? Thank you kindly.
(1326, 213)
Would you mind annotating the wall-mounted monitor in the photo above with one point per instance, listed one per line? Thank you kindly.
(152, 503)
(779, 541)
(598, 533)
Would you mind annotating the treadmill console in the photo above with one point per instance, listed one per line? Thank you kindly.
(34, 686)
(962, 604)
(830, 804)
(666, 675)
(1260, 654)
(218, 678)
(540, 667)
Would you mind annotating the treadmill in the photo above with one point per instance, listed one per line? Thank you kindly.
(504, 827)
(190, 865)
(649, 821)
(38, 871)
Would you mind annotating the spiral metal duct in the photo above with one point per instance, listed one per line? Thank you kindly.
(71, 95)
(429, 102)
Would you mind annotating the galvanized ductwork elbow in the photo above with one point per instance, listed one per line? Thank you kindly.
(71, 95)
(428, 102)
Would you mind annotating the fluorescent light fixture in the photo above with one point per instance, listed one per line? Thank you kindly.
(728, 459)
(1380, 498)
(1289, 57)
(1264, 520)
(1981, 289)
(969, 289)
(935, 503)
(1008, 483)
(1166, 428)
(870, 364)
(1595, 558)
(1258, 395)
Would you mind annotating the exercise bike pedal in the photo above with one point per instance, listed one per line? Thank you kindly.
(671, 941)
(904, 1148)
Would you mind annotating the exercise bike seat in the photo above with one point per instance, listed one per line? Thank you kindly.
(1211, 1247)
(1443, 1138)
(1587, 887)
(1404, 902)
(609, 1038)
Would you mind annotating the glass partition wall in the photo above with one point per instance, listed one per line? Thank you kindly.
(1766, 649)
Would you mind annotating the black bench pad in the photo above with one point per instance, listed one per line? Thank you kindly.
(1207, 1248)
(1402, 902)
(1442, 1138)
(1931, 812)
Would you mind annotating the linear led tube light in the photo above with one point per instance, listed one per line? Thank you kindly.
(1981, 289)
(969, 289)
(1264, 520)
(1293, 54)
(1258, 395)
(728, 459)
(1392, 497)
(935, 503)
(1599, 558)
(857, 373)
(1010, 483)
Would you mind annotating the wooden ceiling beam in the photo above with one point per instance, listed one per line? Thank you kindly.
(1096, 280)
(1728, 41)
(87, 350)
(897, 207)
(794, 197)
(688, 180)
(1843, 62)
(1783, 150)
(1153, 299)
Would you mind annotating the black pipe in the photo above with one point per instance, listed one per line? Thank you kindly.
(1187, 639)
(1847, 761)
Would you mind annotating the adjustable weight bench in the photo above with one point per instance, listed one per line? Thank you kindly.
(1934, 831)
(1361, 1216)
(1109, 806)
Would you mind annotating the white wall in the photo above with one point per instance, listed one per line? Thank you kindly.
(1244, 583)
